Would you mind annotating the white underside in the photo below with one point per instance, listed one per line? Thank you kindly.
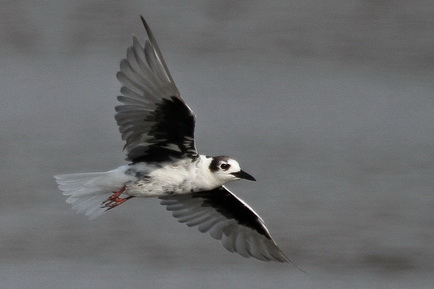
(87, 191)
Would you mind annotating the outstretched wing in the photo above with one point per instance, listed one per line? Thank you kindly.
(153, 119)
(227, 218)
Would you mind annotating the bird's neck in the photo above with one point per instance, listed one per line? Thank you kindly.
(204, 177)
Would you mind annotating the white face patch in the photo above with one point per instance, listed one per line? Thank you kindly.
(222, 169)
(234, 166)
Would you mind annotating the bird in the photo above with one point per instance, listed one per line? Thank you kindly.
(158, 129)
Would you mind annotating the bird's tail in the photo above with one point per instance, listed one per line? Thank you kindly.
(90, 193)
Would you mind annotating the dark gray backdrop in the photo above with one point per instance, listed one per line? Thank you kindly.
(329, 104)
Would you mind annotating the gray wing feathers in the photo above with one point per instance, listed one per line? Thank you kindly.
(154, 121)
(157, 49)
(233, 236)
(143, 87)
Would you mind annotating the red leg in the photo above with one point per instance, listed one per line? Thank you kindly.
(114, 200)
(116, 194)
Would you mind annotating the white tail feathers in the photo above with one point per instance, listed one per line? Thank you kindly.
(88, 191)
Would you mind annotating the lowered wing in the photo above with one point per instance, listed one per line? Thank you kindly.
(228, 219)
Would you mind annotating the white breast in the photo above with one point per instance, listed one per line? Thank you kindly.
(182, 177)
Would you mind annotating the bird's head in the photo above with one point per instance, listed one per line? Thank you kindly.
(225, 170)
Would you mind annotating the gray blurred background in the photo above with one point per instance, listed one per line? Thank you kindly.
(329, 104)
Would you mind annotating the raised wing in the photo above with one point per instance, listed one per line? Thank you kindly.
(227, 218)
(154, 120)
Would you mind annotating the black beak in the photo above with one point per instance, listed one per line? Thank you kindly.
(243, 175)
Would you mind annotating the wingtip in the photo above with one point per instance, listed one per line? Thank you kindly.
(143, 19)
(145, 24)
(289, 261)
(153, 41)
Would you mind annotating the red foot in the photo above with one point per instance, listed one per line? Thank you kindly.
(114, 200)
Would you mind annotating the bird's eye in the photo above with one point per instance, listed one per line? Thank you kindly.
(225, 166)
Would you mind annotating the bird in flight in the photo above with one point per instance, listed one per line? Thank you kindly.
(158, 129)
